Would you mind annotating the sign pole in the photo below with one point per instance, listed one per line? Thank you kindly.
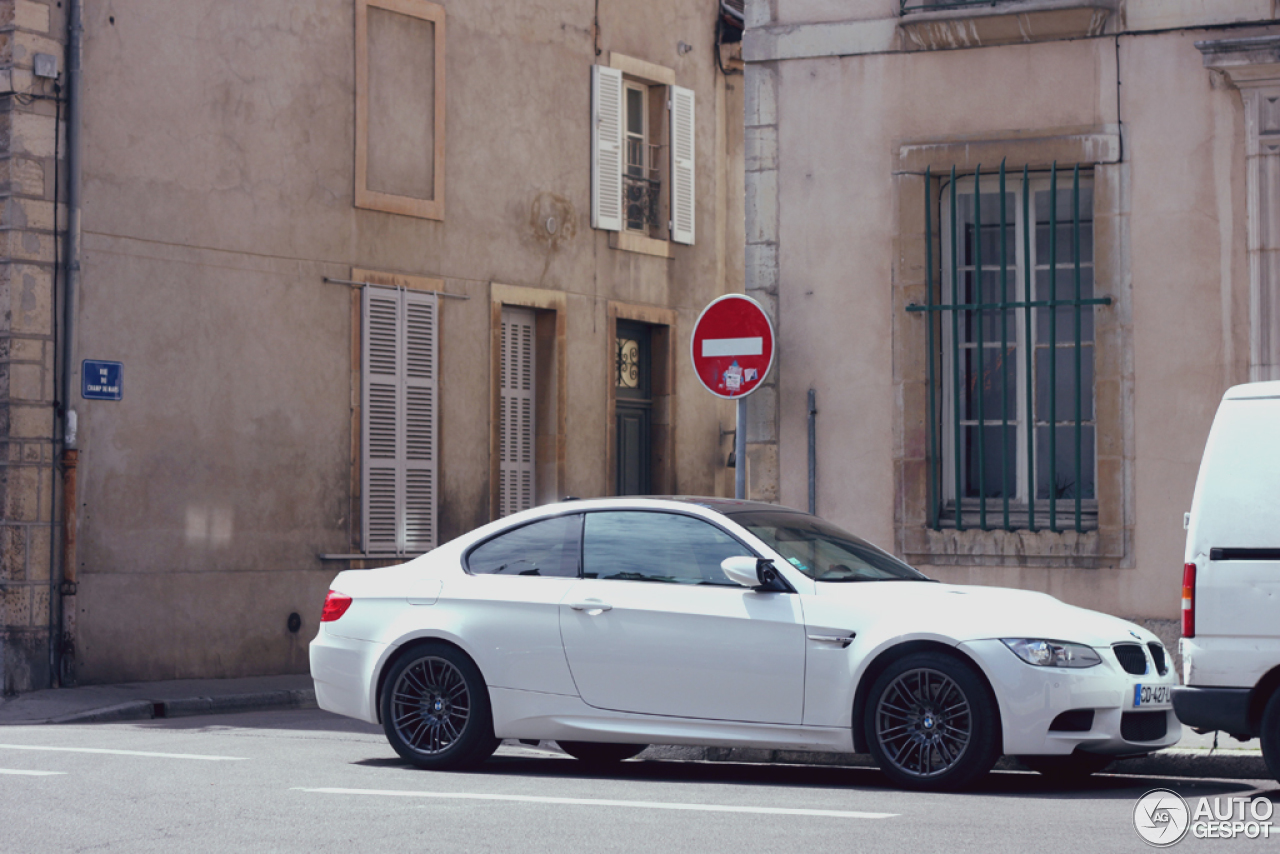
(732, 351)
(740, 452)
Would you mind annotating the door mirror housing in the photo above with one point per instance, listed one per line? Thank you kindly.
(754, 572)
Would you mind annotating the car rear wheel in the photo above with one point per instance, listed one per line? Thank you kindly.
(931, 722)
(435, 709)
(1071, 767)
(1271, 735)
(595, 753)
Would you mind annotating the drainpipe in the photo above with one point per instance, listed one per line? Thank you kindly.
(71, 276)
(813, 451)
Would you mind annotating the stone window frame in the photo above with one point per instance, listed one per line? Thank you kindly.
(658, 79)
(366, 198)
(1111, 544)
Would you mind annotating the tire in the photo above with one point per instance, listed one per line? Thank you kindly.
(1270, 735)
(435, 709)
(1068, 768)
(932, 723)
(594, 753)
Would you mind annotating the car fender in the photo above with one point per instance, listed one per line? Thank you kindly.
(834, 677)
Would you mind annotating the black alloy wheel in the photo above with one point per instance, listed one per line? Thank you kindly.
(931, 722)
(435, 709)
(595, 753)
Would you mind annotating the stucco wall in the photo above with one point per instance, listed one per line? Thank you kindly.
(219, 195)
(1181, 269)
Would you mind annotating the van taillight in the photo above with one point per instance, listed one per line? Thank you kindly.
(1189, 600)
(335, 605)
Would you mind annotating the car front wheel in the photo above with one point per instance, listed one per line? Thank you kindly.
(435, 709)
(931, 722)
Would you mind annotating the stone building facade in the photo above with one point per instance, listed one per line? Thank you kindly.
(374, 272)
(1011, 392)
(30, 219)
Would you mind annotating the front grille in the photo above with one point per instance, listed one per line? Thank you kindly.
(1076, 720)
(1143, 726)
(1131, 658)
(1157, 655)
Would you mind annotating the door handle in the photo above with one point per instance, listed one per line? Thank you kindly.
(593, 607)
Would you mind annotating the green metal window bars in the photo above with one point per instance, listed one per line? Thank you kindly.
(927, 5)
(975, 303)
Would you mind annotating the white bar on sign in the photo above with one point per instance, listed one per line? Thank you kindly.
(732, 347)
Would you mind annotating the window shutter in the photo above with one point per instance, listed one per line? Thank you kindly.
(398, 403)
(419, 506)
(682, 155)
(380, 422)
(606, 148)
(517, 390)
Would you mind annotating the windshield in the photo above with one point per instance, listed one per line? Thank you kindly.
(822, 551)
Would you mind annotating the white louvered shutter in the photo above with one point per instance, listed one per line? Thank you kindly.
(606, 148)
(516, 443)
(398, 423)
(682, 157)
(380, 423)
(419, 507)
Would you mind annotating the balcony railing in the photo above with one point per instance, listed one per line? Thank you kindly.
(642, 201)
(909, 6)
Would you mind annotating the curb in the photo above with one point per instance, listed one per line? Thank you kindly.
(1239, 765)
(147, 709)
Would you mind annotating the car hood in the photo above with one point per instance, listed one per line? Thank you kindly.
(966, 613)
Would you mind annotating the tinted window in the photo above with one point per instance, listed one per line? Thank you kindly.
(546, 548)
(636, 546)
(822, 551)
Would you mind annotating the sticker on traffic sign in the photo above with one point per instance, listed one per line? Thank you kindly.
(732, 346)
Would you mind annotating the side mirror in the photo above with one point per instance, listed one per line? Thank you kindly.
(750, 571)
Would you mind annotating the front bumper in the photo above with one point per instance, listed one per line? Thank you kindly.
(345, 672)
(1032, 698)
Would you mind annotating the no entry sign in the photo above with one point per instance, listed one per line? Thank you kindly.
(732, 346)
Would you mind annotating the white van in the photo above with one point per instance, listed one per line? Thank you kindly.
(1231, 578)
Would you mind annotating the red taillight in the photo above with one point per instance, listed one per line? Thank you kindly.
(335, 605)
(1189, 600)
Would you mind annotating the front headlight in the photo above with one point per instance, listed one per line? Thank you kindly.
(1047, 653)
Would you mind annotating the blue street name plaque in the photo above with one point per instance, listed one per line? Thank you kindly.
(101, 380)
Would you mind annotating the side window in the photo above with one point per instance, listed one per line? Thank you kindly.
(640, 546)
(546, 548)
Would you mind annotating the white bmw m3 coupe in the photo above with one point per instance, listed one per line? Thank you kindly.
(608, 625)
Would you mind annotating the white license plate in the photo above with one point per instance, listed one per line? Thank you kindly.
(1148, 696)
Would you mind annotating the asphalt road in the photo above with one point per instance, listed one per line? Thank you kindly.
(307, 781)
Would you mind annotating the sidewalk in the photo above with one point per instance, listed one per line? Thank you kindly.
(131, 701)
(1194, 756)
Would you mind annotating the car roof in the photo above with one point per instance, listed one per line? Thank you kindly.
(724, 506)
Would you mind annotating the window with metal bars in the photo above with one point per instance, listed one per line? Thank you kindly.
(1010, 302)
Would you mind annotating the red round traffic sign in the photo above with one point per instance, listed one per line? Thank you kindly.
(732, 346)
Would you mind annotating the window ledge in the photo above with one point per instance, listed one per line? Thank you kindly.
(629, 241)
(1015, 22)
(970, 547)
